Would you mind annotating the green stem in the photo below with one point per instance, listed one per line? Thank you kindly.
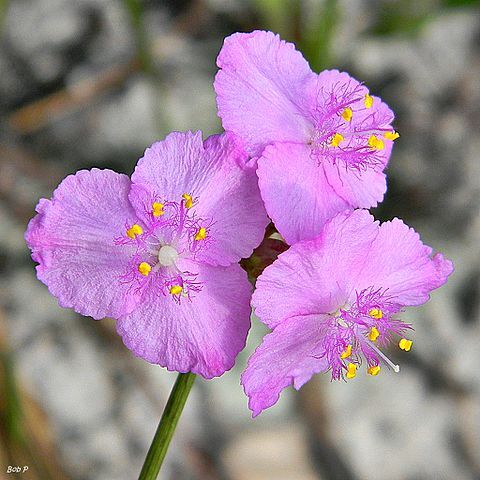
(166, 427)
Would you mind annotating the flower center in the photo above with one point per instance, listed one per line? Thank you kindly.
(167, 256)
(357, 332)
(350, 129)
(168, 230)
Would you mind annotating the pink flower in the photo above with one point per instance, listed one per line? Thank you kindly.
(322, 140)
(158, 252)
(332, 303)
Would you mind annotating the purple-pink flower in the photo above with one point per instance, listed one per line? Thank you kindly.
(333, 301)
(322, 141)
(159, 252)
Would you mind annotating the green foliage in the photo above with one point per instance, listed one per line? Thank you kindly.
(317, 35)
(311, 27)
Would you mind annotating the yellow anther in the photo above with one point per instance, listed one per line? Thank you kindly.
(368, 101)
(374, 370)
(376, 143)
(157, 209)
(201, 234)
(188, 200)
(347, 352)
(391, 135)
(405, 344)
(376, 313)
(374, 334)
(176, 290)
(144, 268)
(134, 230)
(347, 114)
(336, 140)
(351, 370)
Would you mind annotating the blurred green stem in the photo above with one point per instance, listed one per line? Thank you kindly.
(13, 411)
(3, 11)
(134, 8)
(318, 35)
(166, 427)
(279, 16)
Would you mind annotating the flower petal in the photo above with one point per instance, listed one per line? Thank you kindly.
(296, 192)
(72, 239)
(316, 276)
(215, 172)
(361, 189)
(287, 356)
(401, 263)
(260, 90)
(203, 335)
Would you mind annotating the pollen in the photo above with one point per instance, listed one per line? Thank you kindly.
(188, 200)
(391, 135)
(201, 234)
(373, 334)
(347, 114)
(376, 313)
(347, 352)
(376, 143)
(336, 140)
(134, 230)
(144, 268)
(374, 370)
(405, 344)
(368, 101)
(351, 371)
(157, 209)
(176, 290)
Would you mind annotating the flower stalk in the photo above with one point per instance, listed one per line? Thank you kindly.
(167, 426)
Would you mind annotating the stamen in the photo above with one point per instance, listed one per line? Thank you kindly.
(368, 101)
(376, 143)
(157, 209)
(201, 234)
(376, 313)
(374, 370)
(405, 344)
(144, 268)
(134, 230)
(336, 140)
(347, 114)
(351, 371)
(392, 365)
(188, 200)
(347, 352)
(374, 334)
(176, 290)
(391, 135)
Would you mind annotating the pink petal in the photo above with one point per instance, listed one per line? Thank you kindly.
(400, 262)
(296, 192)
(260, 90)
(316, 276)
(72, 239)
(287, 356)
(363, 189)
(215, 173)
(203, 335)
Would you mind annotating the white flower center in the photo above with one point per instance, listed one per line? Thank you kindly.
(167, 256)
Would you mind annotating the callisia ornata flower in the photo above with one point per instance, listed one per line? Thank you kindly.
(322, 141)
(333, 303)
(159, 252)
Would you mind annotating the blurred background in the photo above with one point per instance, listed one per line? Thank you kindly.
(88, 83)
